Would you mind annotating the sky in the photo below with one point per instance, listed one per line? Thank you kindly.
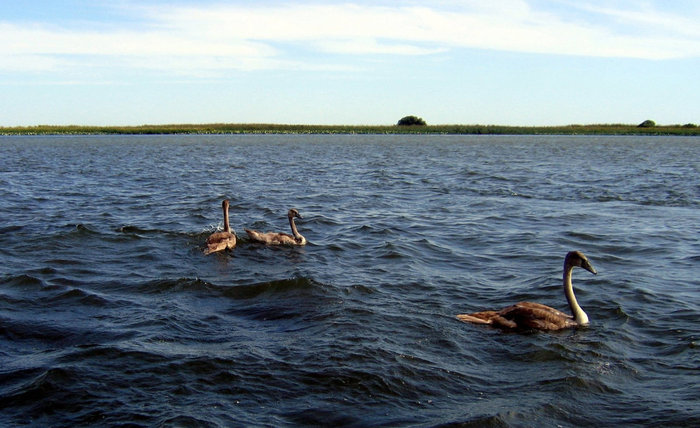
(354, 62)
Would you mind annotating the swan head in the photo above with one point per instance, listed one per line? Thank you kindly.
(577, 258)
(224, 204)
(294, 213)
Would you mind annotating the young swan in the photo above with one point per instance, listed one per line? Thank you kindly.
(528, 315)
(219, 241)
(278, 238)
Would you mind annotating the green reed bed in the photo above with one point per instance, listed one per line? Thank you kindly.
(233, 128)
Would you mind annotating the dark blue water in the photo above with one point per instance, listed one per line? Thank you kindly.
(111, 315)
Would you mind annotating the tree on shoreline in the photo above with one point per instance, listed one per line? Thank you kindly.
(411, 121)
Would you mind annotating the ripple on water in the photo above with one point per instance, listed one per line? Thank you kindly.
(111, 314)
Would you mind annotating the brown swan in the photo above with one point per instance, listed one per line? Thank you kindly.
(219, 241)
(277, 238)
(528, 315)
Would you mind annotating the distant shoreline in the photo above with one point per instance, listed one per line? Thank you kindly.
(232, 128)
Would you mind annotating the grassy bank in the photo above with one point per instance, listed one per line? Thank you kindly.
(233, 128)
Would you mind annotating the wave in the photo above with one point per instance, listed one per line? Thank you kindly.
(110, 314)
(84, 231)
(140, 232)
(11, 229)
(234, 291)
(660, 195)
(21, 281)
(47, 383)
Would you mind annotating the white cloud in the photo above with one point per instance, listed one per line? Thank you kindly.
(506, 25)
(26, 63)
(206, 39)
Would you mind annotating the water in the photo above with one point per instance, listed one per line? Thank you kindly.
(111, 315)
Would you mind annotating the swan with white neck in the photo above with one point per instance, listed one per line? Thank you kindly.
(278, 238)
(528, 315)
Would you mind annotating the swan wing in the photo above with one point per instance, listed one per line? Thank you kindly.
(494, 318)
(220, 241)
(220, 237)
(253, 234)
(271, 238)
(540, 306)
(537, 316)
(478, 317)
(523, 315)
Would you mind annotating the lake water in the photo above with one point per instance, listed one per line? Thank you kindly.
(110, 314)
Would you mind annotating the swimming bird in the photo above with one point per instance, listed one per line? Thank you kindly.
(528, 315)
(219, 241)
(278, 238)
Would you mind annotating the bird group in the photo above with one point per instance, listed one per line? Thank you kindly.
(226, 240)
(520, 316)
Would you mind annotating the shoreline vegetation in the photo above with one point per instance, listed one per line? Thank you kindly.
(234, 128)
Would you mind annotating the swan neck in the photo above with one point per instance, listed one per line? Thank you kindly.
(227, 226)
(295, 232)
(578, 313)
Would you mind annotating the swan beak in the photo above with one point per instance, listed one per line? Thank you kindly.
(589, 267)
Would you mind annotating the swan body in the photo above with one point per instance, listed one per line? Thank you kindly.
(278, 238)
(224, 240)
(528, 315)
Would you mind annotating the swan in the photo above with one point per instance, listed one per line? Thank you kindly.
(277, 238)
(219, 241)
(528, 315)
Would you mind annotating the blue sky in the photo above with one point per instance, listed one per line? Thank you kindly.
(506, 62)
